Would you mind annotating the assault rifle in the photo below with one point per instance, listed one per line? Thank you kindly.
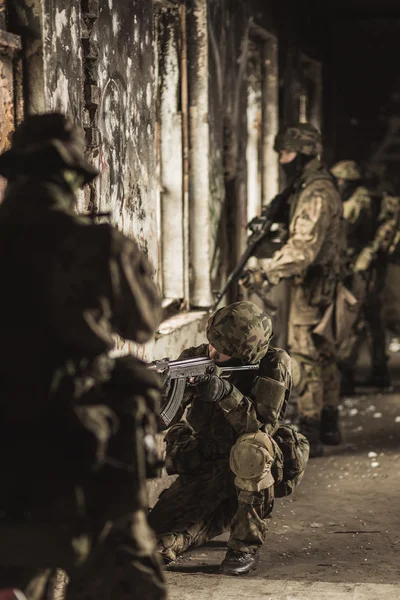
(179, 371)
(260, 227)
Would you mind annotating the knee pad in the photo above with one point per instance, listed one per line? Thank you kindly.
(251, 461)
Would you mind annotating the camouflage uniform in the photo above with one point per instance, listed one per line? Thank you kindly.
(311, 258)
(214, 448)
(359, 224)
(73, 419)
(367, 263)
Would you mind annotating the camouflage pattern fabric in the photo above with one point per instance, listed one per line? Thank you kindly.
(358, 216)
(204, 501)
(372, 263)
(347, 169)
(69, 287)
(312, 257)
(299, 137)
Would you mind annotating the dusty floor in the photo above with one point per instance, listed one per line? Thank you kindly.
(338, 537)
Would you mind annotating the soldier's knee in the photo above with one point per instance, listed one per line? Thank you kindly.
(251, 460)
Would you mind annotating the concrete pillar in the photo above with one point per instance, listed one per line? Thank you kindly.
(199, 190)
(270, 121)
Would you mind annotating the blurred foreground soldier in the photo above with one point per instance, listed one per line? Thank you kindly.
(231, 453)
(311, 259)
(74, 421)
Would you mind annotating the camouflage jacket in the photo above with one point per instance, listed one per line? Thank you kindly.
(312, 253)
(255, 402)
(358, 214)
(386, 237)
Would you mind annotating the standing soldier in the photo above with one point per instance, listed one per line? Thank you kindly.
(371, 264)
(359, 224)
(311, 259)
(75, 422)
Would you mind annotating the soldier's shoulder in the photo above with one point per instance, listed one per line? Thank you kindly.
(276, 357)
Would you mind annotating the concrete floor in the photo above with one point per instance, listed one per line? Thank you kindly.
(337, 537)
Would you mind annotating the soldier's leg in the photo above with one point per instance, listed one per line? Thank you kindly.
(309, 384)
(251, 461)
(349, 350)
(330, 431)
(123, 566)
(194, 509)
(373, 312)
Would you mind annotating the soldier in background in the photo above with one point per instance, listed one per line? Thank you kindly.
(358, 213)
(370, 234)
(311, 259)
(232, 454)
(75, 422)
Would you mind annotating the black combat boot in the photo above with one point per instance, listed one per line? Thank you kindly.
(330, 433)
(239, 563)
(310, 428)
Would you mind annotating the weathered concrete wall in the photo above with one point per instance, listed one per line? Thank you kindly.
(126, 119)
(63, 74)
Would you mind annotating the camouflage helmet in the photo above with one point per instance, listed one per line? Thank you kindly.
(347, 169)
(241, 330)
(49, 141)
(299, 137)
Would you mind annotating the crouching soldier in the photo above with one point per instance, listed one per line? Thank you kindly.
(232, 454)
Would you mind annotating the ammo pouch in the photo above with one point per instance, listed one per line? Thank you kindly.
(295, 450)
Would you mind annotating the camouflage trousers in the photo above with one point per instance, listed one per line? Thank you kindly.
(318, 383)
(203, 504)
(123, 565)
(370, 322)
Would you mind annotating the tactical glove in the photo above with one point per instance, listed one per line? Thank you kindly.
(255, 281)
(212, 390)
(364, 260)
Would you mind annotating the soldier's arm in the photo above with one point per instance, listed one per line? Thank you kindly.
(310, 224)
(270, 392)
(388, 219)
(358, 216)
(136, 303)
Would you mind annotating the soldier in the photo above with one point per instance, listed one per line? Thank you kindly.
(371, 263)
(227, 452)
(311, 259)
(74, 421)
(362, 275)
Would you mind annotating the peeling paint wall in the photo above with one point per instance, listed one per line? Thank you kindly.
(126, 119)
(63, 74)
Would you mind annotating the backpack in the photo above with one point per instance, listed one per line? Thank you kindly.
(295, 450)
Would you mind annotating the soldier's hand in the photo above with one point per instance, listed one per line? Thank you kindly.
(364, 260)
(212, 389)
(252, 278)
